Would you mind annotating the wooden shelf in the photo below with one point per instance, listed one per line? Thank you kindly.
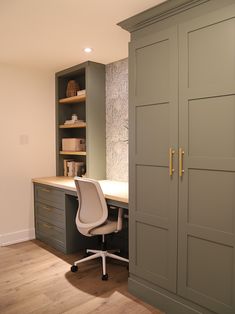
(72, 126)
(72, 100)
(73, 153)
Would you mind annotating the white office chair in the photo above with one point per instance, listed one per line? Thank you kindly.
(92, 220)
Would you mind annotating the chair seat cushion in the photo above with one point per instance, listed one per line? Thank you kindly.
(106, 228)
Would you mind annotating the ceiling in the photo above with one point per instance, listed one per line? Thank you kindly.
(51, 34)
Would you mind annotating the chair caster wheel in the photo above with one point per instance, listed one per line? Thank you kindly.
(105, 277)
(74, 268)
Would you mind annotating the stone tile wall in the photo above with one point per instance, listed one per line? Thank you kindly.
(117, 120)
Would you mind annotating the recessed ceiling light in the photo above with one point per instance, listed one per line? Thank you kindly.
(88, 49)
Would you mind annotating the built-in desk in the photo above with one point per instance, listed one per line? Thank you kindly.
(56, 204)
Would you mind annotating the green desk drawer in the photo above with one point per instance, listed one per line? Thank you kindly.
(50, 233)
(50, 214)
(50, 196)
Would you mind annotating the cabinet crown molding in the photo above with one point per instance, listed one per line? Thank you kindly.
(158, 13)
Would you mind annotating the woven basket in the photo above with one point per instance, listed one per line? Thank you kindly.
(72, 88)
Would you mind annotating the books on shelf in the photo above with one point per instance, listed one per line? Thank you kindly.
(73, 168)
(66, 167)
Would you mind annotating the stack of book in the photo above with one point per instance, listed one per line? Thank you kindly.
(73, 168)
(81, 92)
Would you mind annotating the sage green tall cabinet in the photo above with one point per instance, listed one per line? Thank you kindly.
(182, 156)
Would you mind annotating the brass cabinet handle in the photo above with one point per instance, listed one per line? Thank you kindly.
(181, 156)
(47, 226)
(45, 190)
(171, 155)
(47, 208)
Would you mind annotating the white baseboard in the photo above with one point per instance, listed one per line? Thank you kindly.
(16, 237)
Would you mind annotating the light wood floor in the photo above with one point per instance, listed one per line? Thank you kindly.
(36, 279)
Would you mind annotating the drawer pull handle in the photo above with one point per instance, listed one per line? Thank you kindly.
(47, 208)
(47, 226)
(45, 190)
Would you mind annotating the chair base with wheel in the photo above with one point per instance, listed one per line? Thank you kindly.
(92, 220)
(100, 253)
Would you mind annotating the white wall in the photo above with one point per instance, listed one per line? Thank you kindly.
(27, 145)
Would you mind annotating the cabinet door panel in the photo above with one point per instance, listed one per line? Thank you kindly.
(207, 135)
(213, 120)
(152, 138)
(211, 199)
(156, 267)
(213, 62)
(152, 84)
(150, 179)
(204, 261)
(153, 129)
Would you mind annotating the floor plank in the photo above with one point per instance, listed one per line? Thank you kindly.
(36, 279)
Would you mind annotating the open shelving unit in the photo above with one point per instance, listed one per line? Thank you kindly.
(90, 108)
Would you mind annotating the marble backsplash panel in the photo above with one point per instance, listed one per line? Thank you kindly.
(117, 120)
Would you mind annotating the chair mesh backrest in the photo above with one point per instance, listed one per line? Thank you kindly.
(92, 205)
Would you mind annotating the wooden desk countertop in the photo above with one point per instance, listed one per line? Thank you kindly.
(114, 190)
